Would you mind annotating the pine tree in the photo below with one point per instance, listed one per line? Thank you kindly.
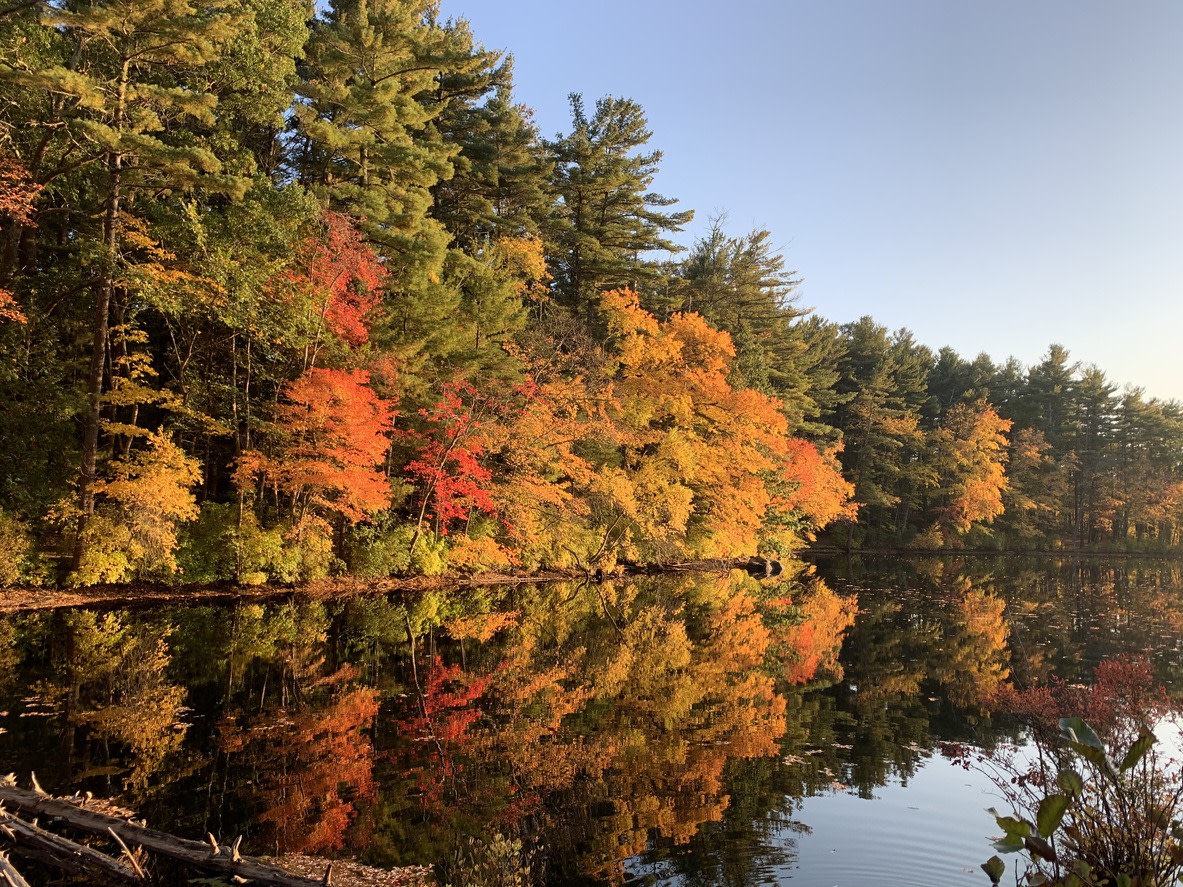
(501, 184)
(128, 101)
(609, 220)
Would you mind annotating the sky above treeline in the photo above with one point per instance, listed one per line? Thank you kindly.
(993, 176)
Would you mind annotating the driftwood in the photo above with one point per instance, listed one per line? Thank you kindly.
(61, 853)
(212, 857)
(9, 875)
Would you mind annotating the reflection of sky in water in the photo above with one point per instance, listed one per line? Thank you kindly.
(932, 831)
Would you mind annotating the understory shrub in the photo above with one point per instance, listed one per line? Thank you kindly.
(1093, 801)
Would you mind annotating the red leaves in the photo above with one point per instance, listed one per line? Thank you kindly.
(448, 469)
(446, 709)
(344, 277)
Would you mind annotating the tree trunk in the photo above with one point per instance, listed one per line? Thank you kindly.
(99, 327)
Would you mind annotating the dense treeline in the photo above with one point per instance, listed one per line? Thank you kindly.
(944, 451)
(284, 297)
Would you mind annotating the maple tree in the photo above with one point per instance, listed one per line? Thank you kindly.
(447, 467)
(335, 436)
(340, 278)
(147, 495)
(18, 193)
(701, 460)
(972, 448)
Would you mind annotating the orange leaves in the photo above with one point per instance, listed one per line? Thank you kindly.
(335, 439)
(18, 191)
(319, 761)
(814, 643)
(704, 461)
(820, 492)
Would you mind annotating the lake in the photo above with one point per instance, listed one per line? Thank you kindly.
(687, 729)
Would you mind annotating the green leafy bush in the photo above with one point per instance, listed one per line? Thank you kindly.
(494, 862)
(207, 545)
(17, 559)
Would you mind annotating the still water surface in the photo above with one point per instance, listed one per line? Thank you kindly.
(697, 730)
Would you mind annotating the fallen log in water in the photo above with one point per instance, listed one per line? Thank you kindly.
(36, 843)
(757, 566)
(9, 874)
(59, 852)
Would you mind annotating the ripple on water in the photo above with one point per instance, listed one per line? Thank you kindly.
(932, 832)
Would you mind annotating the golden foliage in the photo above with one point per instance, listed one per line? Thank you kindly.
(146, 496)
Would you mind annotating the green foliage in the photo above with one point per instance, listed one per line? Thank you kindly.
(300, 552)
(207, 546)
(176, 184)
(609, 216)
(16, 552)
(378, 550)
(262, 554)
(110, 553)
(430, 557)
(494, 862)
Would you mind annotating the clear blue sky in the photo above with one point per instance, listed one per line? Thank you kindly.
(994, 176)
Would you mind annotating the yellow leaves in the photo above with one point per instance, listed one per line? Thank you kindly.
(708, 350)
(524, 259)
(971, 455)
(123, 694)
(157, 480)
(147, 495)
(659, 456)
(483, 554)
(480, 627)
(973, 666)
(156, 273)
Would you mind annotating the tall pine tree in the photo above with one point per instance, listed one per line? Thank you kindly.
(609, 222)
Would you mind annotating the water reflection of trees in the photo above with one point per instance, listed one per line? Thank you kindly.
(680, 719)
(98, 683)
(608, 716)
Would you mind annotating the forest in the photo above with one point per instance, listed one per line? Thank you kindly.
(290, 293)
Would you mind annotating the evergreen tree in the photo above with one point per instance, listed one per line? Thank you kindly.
(884, 377)
(501, 183)
(367, 146)
(129, 102)
(609, 221)
(741, 285)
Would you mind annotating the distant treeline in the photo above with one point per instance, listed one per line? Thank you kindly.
(283, 298)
